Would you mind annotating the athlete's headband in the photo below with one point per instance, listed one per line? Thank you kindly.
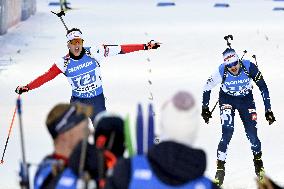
(74, 35)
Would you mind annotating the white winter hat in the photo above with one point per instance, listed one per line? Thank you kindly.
(230, 56)
(179, 119)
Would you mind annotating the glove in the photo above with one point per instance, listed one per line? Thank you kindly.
(22, 89)
(206, 114)
(269, 116)
(152, 45)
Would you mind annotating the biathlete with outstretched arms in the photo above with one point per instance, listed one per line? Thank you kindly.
(81, 66)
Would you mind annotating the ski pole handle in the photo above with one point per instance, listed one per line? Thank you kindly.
(254, 56)
(227, 37)
(245, 51)
(61, 13)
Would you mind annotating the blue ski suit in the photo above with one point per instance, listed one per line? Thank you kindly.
(44, 178)
(236, 94)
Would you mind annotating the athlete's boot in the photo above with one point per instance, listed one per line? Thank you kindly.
(258, 165)
(220, 173)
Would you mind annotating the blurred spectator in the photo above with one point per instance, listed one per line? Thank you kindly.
(68, 126)
(173, 163)
(109, 145)
(64, 5)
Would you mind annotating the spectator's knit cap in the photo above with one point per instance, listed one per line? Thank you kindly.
(179, 119)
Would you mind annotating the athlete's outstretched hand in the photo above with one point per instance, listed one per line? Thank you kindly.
(269, 117)
(22, 89)
(152, 45)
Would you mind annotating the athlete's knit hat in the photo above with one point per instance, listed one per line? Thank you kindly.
(230, 56)
(64, 117)
(179, 119)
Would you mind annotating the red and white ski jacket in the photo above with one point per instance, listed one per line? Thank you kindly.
(98, 53)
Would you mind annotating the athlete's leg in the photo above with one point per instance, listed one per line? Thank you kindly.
(98, 103)
(227, 113)
(249, 118)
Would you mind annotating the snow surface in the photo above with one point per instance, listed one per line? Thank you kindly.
(192, 35)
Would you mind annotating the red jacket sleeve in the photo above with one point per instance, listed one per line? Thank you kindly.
(131, 48)
(47, 76)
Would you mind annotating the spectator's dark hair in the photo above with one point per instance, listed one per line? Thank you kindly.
(73, 29)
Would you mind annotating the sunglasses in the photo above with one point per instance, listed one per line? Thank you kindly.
(232, 64)
(75, 41)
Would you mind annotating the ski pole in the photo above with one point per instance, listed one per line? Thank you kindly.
(214, 106)
(9, 133)
(127, 136)
(254, 56)
(150, 127)
(100, 143)
(139, 130)
(24, 183)
(60, 14)
(82, 182)
(83, 177)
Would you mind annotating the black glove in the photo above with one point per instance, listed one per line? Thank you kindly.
(22, 89)
(269, 116)
(152, 45)
(206, 114)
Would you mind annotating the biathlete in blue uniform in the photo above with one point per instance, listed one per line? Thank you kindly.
(81, 66)
(236, 77)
